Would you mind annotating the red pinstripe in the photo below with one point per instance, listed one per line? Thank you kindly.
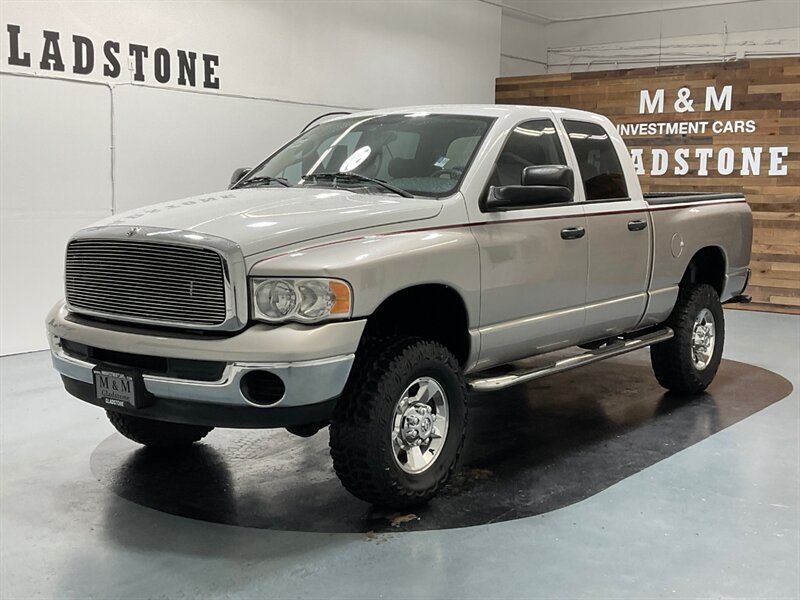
(507, 221)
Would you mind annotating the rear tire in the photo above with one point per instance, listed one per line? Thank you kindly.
(688, 362)
(398, 429)
(157, 434)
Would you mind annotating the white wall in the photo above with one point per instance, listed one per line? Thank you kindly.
(712, 33)
(523, 46)
(55, 177)
(73, 148)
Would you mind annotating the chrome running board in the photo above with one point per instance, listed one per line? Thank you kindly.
(620, 346)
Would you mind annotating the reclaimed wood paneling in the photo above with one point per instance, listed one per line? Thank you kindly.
(765, 91)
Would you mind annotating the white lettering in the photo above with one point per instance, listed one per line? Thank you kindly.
(725, 161)
(681, 154)
(684, 103)
(751, 161)
(721, 102)
(651, 105)
(660, 162)
(776, 166)
(745, 161)
(638, 163)
(703, 154)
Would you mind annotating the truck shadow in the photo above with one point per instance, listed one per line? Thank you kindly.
(529, 450)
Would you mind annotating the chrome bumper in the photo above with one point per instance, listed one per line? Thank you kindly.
(306, 381)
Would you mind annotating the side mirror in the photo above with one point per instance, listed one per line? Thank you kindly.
(549, 175)
(542, 184)
(238, 174)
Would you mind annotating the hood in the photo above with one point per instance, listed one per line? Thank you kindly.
(262, 219)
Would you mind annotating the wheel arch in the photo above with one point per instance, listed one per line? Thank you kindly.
(434, 311)
(709, 266)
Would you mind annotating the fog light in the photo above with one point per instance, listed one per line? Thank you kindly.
(262, 387)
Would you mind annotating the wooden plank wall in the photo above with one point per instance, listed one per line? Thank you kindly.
(764, 91)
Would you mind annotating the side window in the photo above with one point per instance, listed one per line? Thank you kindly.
(598, 162)
(531, 143)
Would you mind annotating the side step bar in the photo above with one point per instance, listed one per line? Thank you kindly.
(499, 382)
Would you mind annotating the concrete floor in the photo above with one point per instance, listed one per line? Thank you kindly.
(719, 518)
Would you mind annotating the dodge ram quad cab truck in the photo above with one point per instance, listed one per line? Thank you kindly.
(378, 267)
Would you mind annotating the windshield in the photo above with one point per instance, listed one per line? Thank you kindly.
(421, 154)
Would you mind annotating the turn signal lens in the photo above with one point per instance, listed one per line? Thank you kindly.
(305, 300)
(341, 292)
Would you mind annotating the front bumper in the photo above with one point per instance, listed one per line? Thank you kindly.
(313, 362)
(212, 415)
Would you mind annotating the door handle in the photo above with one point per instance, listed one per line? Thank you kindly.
(637, 225)
(572, 233)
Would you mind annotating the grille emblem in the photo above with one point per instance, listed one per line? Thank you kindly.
(132, 231)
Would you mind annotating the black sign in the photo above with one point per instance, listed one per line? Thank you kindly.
(86, 57)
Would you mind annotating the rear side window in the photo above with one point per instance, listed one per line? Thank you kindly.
(599, 164)
(531, 143)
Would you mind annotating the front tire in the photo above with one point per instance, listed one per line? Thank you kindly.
(688, 362)
(157, 434)
(398, 429)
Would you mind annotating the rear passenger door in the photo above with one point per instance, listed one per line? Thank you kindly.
(618, 233)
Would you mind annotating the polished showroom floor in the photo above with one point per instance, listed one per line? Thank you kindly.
(591, 484)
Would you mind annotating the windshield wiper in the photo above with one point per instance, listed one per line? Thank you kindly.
(263, 181)
(358, 177)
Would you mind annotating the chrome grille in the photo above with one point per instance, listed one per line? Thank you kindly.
(146, 281)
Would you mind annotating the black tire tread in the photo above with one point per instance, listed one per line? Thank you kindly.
(672, 360)
(358, 424)
(157, 434)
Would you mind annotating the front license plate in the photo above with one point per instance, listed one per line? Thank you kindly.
(115, 389)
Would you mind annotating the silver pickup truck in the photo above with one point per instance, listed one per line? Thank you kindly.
(379, 266)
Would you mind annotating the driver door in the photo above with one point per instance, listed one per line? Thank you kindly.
(533, 265)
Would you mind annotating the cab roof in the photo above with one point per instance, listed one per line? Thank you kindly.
(487, 110)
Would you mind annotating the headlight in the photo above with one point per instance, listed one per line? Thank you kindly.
(306, 300)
